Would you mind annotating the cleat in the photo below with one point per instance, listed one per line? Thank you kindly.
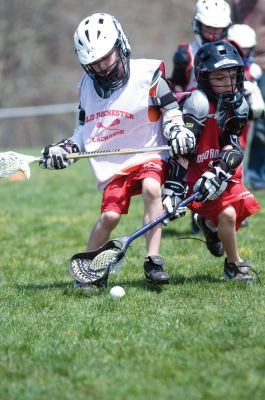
(154, 272)
(213, 243)
(239, 270)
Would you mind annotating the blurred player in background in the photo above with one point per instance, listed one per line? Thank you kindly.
(245, 37)
(210, 23)
(253, 14)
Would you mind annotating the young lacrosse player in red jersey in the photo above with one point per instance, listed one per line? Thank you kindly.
(216, 112)
(123, 103)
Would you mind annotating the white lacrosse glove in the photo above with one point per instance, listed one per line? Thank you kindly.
(181, 139)
(255, 100)
(172, 193)
(211, 184)
(54, 155)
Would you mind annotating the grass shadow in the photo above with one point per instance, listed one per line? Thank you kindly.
(139, 284)
(46, 286)
(198, 278)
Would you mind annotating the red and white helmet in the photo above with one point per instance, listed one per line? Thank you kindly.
(96, 36)
(213, 13)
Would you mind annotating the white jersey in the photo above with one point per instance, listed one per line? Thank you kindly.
(194, 47)
(120, 121)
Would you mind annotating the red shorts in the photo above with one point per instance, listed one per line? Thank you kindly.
(236, 195)
(117, 194)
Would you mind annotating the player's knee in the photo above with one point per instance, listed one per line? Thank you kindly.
(151, 190)
(227, 216)
(110, 219)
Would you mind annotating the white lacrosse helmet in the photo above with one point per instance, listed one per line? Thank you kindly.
(243, 34)
(213, 13)
(95, 37)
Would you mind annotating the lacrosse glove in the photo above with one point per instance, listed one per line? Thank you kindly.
(172, 193)
(181, 140)
(211, 184)
(54, 155)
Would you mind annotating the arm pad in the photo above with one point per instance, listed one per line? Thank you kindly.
(229, 159)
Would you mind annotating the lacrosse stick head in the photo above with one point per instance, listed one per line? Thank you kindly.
(93, 267)
(12, 162)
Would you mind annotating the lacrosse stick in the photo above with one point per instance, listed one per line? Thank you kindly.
(94, 267)
(11, 162)
(114, 152)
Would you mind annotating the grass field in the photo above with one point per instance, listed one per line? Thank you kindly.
(197, 338)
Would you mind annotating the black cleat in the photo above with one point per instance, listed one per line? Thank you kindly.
(239, 270)
(213, 243)
(154, 271)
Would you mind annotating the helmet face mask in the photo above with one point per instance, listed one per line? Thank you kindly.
(219, 72)
(96, 39)
(211, 34)
(111, 75)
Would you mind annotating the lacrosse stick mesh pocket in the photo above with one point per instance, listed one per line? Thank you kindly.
(86, 269)
(9, 164)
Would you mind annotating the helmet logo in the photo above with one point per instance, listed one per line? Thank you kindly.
(224, 62)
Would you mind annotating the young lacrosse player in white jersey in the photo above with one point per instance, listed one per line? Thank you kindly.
(123, 103)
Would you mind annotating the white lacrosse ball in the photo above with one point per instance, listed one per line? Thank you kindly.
(117, 292)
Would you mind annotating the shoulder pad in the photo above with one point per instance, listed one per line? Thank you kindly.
(197, 105)
(243, 109)
(159, 72)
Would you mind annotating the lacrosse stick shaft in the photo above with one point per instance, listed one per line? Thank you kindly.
(113, 152)
(100, 153)
(94, 267)
(160, 219)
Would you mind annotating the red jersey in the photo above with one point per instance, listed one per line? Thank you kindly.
(236, 193)
(208, 150)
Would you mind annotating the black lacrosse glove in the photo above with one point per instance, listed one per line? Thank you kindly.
(172, 193)
(181, 140)
(211, 184)
(54, 155)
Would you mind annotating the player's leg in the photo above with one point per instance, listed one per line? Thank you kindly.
(213, 242)
(153, 264)
(227, 233)
(234, 267)
(115, 202)
(101, 231)
(151, 191)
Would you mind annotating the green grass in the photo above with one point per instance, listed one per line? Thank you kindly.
(197, 338)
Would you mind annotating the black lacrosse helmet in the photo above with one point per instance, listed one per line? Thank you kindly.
(217, 56)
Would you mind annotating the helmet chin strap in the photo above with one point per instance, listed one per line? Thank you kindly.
(103, 93)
